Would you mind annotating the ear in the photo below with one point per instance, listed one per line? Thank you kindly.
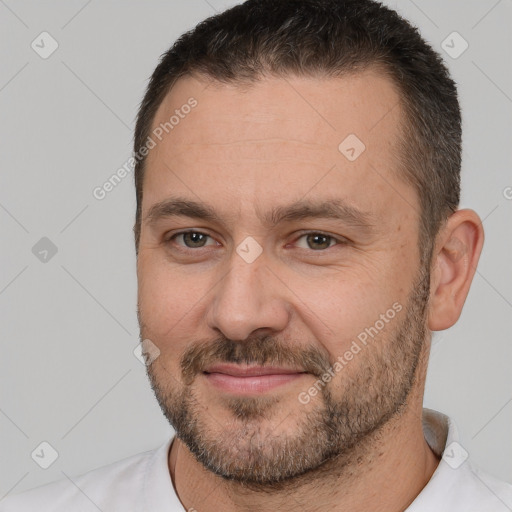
(456, 254)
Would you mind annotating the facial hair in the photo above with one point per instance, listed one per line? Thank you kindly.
(243, 445)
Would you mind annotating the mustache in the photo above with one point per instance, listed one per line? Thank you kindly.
(256, 350)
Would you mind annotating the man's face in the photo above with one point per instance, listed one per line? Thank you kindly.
(333, 305)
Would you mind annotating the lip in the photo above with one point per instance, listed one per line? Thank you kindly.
(237, 370)
(241, 379)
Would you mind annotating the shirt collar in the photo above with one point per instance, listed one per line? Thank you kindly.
(158, 492)
(455, 486)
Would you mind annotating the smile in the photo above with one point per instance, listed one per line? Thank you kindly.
(250, 380)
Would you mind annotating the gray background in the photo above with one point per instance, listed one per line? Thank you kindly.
(69, 326)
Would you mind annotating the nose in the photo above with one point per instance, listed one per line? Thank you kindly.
(248, 298)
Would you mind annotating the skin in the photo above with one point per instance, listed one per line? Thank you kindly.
(242, 151)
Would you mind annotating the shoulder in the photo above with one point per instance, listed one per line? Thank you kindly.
(465, 489)
(488, 491)
(111, 487)
(457, 484)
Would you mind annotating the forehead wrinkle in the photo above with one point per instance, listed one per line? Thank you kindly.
(273, 148)
(269, 140)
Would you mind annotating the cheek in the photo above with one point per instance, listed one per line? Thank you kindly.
(344, 308)
(169, 300)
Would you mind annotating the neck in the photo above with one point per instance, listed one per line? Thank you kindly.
(386, 474)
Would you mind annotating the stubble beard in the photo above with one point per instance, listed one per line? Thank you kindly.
(244, 443)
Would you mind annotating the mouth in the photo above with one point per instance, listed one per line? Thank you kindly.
(240, 379)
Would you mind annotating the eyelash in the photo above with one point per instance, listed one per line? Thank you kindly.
(339, 241)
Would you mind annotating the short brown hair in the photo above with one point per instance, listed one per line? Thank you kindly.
(328, 38)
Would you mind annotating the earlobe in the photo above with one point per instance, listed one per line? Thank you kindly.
(455, 258)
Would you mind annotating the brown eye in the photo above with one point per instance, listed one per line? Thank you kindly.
(317, 241)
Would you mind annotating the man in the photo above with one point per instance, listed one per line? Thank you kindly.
(298, 240)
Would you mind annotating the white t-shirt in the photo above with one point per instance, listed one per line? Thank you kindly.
(142, 483)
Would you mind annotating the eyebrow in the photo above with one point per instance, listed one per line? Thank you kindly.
(301, 210)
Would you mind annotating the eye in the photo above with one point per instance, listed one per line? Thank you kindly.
(191, 239)
(313, 240)
(318, 241)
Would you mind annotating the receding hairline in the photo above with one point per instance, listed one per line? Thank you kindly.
(336, 38)
(403, 126)
(376, 68)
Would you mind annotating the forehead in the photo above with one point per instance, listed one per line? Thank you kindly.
(284, 106)
(279, 138)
